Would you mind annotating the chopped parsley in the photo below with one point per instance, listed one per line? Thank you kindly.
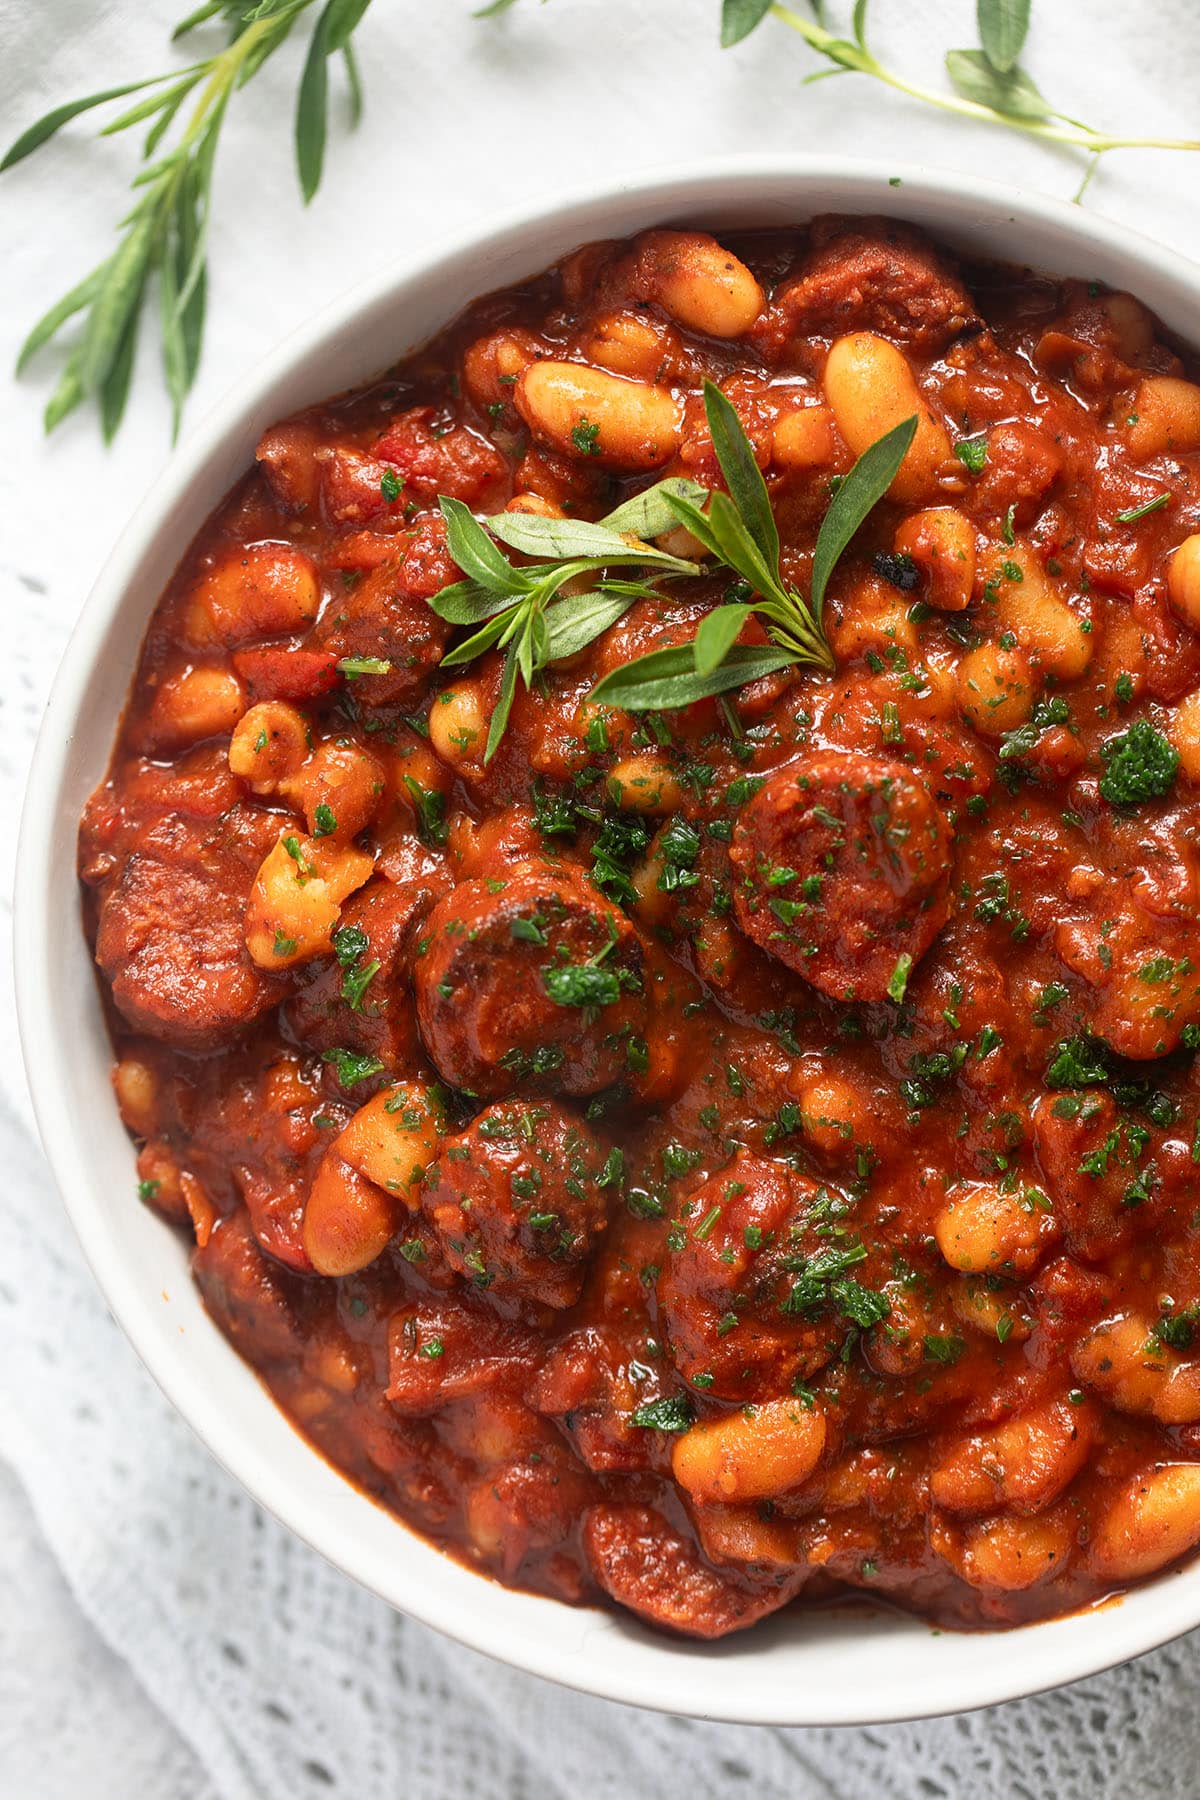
(1077, 1062)
(679, 847)
(581, 984)
(898, 980)
(1046, 713)
(1133, 513)
(430, 808)
(972, 452)
(585, 437)
(1140, 764)
(674, 1413)
(351, 1066)
(353, 666)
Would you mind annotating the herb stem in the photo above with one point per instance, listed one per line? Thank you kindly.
(1070, 132)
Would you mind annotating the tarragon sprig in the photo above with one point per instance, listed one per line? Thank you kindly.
(522, 609)
(163, 238)
(739, 530)
(989, 83)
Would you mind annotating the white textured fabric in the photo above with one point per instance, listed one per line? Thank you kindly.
(158, 1636)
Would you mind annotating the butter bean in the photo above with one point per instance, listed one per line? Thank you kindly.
(585, 412)
(702, 286)
(1183, 581)
(872, 389)
(750, 1455)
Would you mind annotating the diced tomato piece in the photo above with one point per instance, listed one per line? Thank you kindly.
(457, 462)
(278, 672)
(360, 551)
(352, 491)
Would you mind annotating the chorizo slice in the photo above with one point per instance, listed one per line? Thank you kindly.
(1105, 1194)
(889, 280)
(361, 998)
(452, 1348)
(641, 1564)
(247, 1294)
(534, 980)
(383, 622)
(844, 867)
(516, 1203)
(170, 936)
(731, 1294)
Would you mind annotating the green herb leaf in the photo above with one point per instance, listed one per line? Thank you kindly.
(351, 1066)
(573, 539)
(1077, 1062)
(717, 635)
(666, 679)
(467, 603)
(857, 496)
(354, 83)
(744, 478)
(356, 981)
(59, 116)
(208, 10)
(476, 554)
(1140, 764)
(1012, 94)
(674, 1413)
(1003, 27)
(898, 980)
(430, 807)
(66, 308)
(972, 453)
(349, 943)
(343, 18)
(649, 514)
(119, 296)
(499, 720)
(739, 18)
(167, 228)
(723, 534)
(574, 623)
(114, 390)
(312, 108)
(581, 984)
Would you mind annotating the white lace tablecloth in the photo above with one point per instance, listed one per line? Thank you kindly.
(159, 1637)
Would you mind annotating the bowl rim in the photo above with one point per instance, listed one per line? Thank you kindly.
(502, 1629)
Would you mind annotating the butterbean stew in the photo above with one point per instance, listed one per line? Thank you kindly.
(743, 1143)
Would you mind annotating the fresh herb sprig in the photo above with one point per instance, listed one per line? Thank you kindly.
(739, 530)
(989, 83)
(523, 610)
(163, 238)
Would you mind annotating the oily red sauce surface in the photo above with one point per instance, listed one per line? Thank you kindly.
(984, 1426)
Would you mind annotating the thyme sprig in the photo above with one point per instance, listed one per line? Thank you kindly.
(163, 238)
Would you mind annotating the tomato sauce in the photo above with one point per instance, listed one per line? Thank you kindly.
(704, 1157)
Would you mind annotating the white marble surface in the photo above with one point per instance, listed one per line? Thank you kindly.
(152, 1619)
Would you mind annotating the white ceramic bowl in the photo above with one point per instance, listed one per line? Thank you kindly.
(802, 1668)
